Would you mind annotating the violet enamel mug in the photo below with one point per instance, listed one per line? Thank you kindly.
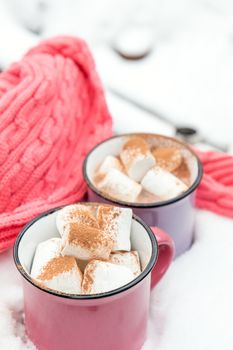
(175, 216)
(115, 320)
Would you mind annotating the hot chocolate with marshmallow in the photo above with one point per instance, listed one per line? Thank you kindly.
(146, 170)
(93, 254)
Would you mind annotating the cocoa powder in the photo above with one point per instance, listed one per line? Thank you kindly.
(182, 172)
(167, 158)
(56, 266)
(86, 236)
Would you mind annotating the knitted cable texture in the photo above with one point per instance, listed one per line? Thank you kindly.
(52, 112)
(215, 192)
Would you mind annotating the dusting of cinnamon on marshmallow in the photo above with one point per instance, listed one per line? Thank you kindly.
(85, 242)
(183, 173)
(138, 144)
(132, 148)
(57, 266)
(81, 214)
(75, 213)
(87, 237)
(107, 219)
(88, 279)
(102, 276)
(117, 223)
(45, 251)
(128, 259)
(136, 157)
(167, 158)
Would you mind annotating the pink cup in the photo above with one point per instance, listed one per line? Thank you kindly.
(115, 320)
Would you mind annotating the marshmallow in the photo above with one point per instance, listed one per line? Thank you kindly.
(128, 259)
(137, 158)
(75, 213)
(162, 183)
(101, 276)
(45, 252)
(116, 222)
(62, 274)
(110, 162)
(85, 242)
(167, 158)
(120, 186)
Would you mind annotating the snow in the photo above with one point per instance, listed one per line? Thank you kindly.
(192, 307)
(15, 40)
(12, 333)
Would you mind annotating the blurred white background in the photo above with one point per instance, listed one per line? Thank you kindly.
(185, 78)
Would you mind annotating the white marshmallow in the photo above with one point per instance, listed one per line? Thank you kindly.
(100, 276)
(110, 162)
(128, 259)
(162, 183)
(120, 186)
(116, 222)
(75, 213)
(85, 242)
(45, 252)
(137, 158)
(62, 274)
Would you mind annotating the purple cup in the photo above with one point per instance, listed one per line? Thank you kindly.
(175, 216)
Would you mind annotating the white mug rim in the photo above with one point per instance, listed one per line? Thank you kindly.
(138, 279)
(114, 201)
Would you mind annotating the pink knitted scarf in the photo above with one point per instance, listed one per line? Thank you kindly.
(215, 192)
(52, 112)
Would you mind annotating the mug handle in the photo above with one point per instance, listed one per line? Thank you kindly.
(166, 252)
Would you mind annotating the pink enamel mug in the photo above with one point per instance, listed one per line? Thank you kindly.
(115, 320)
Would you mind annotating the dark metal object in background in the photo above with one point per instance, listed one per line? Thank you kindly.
(188, 134)
(193, 136)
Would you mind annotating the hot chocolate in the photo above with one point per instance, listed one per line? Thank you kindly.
(146, 170)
